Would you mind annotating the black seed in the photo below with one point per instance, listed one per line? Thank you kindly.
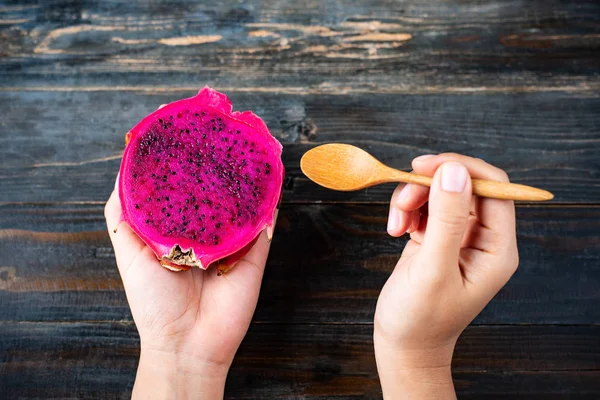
(212, 217)
(164, 209)
(194, 236)
(196, 207)
(135, 175)
(187, 201)
(218, 225)
(137, 206)
(147, 221)
(168, 214)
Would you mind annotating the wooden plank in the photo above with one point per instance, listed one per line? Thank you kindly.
(304, 45)
(86, 360)
(327, 264)
(70, 151)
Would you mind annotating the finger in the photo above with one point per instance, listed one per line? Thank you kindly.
(495, 214)
(125, 242)
(415, 220)
(255, 260)
(411, 197)
(419, 234)
(398, 219)
(449, 202)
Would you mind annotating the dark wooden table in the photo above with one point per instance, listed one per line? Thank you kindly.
(514, 82)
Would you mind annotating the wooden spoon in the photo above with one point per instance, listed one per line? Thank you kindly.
(346, 168)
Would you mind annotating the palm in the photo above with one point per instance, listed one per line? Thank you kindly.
(195, 312)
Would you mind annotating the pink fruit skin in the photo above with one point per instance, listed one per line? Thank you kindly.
(200, 179)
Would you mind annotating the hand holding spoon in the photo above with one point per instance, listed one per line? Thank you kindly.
(346, 168)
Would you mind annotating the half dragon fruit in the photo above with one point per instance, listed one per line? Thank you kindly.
(199, 183)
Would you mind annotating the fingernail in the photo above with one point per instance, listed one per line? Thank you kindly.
(117, 182)
(454, 178)
(403, 194)
(393, 219)
(422, 158)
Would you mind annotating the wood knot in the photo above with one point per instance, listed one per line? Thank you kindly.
(7, 276)
(307, 130)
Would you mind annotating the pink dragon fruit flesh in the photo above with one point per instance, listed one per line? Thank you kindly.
(199, 183)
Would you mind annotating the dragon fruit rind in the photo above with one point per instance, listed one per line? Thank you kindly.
(198, 182)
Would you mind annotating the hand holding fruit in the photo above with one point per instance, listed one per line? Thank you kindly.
(199, 187)
(190, 323)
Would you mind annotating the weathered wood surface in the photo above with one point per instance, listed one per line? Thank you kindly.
(327, 264)
(304, 46)
(516, 83)
(67, 145)
(302, 361)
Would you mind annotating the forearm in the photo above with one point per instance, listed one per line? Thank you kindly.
(163, 375)
(418, 375)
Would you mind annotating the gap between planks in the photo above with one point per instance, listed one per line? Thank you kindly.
(272, 323)
(591, 89)
(302, 203)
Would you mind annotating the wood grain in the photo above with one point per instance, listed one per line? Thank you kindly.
(327, 264)
(512, 82)
(318, 46)
(87, 360)
(55, 145)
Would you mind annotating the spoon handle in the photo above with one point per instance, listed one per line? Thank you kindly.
(482, 187)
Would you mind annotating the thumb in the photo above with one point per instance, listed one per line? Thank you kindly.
(449, 204)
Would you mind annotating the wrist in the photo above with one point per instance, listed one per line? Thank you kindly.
(166, 375)
(415, 370)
